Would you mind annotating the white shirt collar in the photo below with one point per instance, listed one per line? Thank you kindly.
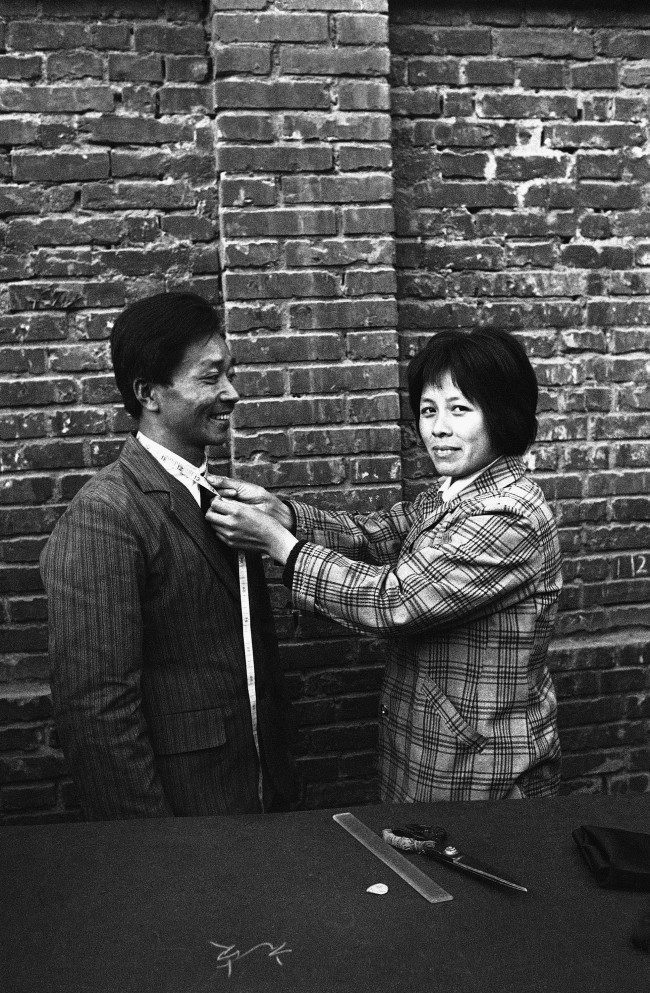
(448, 489)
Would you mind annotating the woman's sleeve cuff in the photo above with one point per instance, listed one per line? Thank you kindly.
(293, 527)
(290, 564)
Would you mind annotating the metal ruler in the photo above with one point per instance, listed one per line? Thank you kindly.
(383, 851)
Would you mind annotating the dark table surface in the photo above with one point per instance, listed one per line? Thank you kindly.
(179, 905)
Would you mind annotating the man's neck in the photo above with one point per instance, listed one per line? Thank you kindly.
(195, 456)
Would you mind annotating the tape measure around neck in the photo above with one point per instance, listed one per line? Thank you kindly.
(200, 480)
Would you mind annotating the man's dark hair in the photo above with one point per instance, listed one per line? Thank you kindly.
(490, 368)
(150, 337)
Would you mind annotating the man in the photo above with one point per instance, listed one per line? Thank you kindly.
(156, 713)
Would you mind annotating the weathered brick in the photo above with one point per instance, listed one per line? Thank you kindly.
(138, 196)
(343, 314)
(542, 75)
(365, 157)
(74, 65)
(62, 167)
(362, 95)
(422, 40)
(361, 29)
(464, 134)
(261, 348)
(232, 59)
(187, 69)
(55, 99)
(595, 76)
(425, 102)
(343, 378)
(299, 60)
(437, 72)
(272, 27)
(337, 189)
(118, 129)
(304, 283)
(42, 34)
(135, 68)
(606, 135)
(36, 295)
(20, 67)
(18, 131)
(626, 45)
(337, 252)
(167, 38)
(489, 72)
(110, 36)
(336, 127)
(289, 157)
(528, 106)
(186, 100)
(258, 94)
(244, 127)
(548, 44)
(251, 192)
(288, 412)
(367, 220)
(267, 223)
(364, 282)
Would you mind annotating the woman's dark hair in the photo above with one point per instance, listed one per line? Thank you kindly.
(150, 337)
(491, 369)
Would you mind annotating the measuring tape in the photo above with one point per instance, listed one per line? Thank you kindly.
(199, 480)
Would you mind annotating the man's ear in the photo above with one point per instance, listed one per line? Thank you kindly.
(146, 395)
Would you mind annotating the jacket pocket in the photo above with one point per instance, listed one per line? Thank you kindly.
(188, 731)
(454, 723)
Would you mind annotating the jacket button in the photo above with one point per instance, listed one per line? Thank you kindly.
(384, 710)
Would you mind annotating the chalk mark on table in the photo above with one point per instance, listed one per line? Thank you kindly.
(230, 954)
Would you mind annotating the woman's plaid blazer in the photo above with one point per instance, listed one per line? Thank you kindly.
(465, 593)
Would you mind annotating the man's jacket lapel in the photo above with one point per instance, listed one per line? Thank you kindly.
(152, 478)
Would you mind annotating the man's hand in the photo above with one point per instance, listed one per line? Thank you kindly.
(245, 526)
(255, 496)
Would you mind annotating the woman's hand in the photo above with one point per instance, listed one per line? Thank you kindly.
(245, 526)
(253, 495)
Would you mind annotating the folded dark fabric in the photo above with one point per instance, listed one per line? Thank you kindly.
(618, 859)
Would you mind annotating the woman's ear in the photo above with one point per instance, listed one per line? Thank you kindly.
(146, 395)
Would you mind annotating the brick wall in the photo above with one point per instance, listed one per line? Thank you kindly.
(243, 149)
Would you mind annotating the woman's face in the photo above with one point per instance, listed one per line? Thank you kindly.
(453, 430)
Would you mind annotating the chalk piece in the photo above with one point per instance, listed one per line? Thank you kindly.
(379, 888)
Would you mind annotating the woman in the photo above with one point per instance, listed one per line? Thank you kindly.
(463, 582)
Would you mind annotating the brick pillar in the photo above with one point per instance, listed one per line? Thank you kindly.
(302, 135)
(304, 163)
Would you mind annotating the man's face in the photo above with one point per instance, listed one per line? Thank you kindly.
(194, 410)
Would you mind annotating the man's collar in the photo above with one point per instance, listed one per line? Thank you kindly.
(161, 453)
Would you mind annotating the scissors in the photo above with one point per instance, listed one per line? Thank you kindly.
(432, 841)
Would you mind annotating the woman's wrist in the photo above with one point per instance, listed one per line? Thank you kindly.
(283, 514)
(280, 544)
